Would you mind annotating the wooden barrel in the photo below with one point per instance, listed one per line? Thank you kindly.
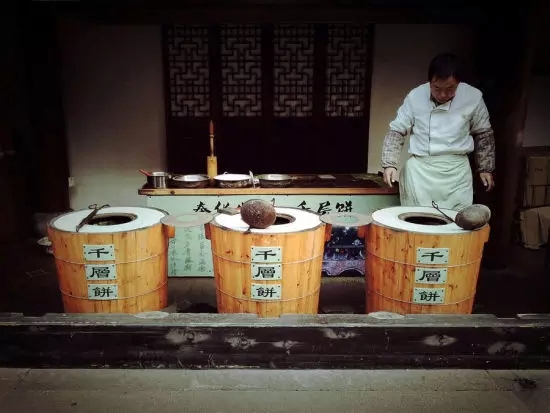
(115, 264)
(418, 262)
(270, 271)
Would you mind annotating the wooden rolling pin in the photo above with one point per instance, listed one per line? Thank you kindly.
(211, 161)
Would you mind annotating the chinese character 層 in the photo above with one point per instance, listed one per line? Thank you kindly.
(430, 276)
(100, 272)
(265, 272)
(323, 208)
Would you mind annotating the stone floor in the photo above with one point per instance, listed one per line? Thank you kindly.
(29, 285)
(315, 391)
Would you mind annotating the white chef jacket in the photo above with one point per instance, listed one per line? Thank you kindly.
(442, 129)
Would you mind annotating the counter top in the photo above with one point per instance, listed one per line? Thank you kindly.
(333, 184)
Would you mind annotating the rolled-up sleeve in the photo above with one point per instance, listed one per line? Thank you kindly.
(484, 139)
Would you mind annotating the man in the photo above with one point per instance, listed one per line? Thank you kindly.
(447, 119)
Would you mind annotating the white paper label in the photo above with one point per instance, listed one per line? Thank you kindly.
(105, 252)
(265, 254)
(432, 256)
(100, 272)
(429, 296)
(102, 291)
(266, 271)
(266, 291)
(430, 275)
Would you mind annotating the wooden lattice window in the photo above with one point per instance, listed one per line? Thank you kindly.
(290, 97)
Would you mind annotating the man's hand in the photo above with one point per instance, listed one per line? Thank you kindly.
(487, 179)
(390, 176)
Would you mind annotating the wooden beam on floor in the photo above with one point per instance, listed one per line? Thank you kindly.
(217, 341)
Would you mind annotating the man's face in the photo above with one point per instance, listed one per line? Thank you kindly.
(443, 90)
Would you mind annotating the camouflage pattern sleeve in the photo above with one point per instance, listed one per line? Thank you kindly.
(484, 149)
(391, 149)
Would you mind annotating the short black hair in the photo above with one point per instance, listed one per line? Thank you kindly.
(445, 65)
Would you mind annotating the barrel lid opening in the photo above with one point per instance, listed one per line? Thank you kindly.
(117, 218)
(424, 218)
(281, 219)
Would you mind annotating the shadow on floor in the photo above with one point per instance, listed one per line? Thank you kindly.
(29, 286)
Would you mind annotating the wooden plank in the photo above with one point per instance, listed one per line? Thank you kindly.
(162, 340)
(268, 191)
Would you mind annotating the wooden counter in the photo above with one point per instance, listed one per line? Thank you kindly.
(357, 184)
(189, 252)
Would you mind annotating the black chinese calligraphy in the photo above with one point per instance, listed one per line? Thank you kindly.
(99, 252)
(324, 208)
(345, 206)
(431, 276)
(266, 292)
(303, 205)
(429, 296)
(265, 254)
(104, 292)
(100, 272)
(219, 206)
(432, 255)
(201, 207)
(267, 272)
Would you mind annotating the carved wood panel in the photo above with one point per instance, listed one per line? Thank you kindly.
(284, 97)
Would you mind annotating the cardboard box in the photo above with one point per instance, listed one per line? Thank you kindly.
(536, 190)
(534, 226)
(537, 170)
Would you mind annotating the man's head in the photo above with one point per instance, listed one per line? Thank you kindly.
(444, 75)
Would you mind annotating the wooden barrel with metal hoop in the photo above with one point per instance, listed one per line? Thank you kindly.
(115, 263)
(419, 262)
(271, 271)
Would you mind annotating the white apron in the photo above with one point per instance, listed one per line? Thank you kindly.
(445, 179)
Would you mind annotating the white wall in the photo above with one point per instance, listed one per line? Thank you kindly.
(113, 92)
(114, 108)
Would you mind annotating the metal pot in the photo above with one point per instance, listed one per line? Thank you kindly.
(274, 180)
(158, 180)
(226, 180)
(189, 181)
